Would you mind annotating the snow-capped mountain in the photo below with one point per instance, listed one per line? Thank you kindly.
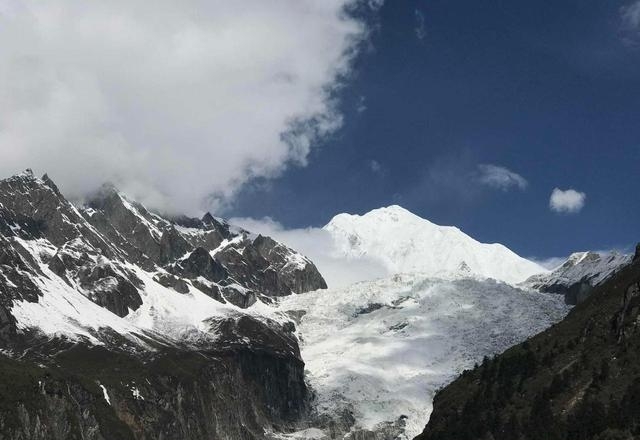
(114, 320)
(113, 264)
(579, 274)
(406, 243)
(119, 322)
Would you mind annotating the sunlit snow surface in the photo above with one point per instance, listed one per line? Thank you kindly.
(404, 243)
(165, 315)
(382, 348)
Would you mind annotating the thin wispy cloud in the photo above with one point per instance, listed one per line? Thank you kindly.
(420, 29)
(550, 263)
(456, 181)
(175, 102)
(376, 167)
(500, 178)
(361, 104)
(630, 16)
(319, 246)
(567, 201)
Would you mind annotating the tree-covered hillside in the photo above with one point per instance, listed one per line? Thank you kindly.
(578, 380)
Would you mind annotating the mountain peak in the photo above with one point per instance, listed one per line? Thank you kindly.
(28, 180)
(25, 176)
(208, 218)
(392, 209)
(50, 183)
(393, 212)
(106, 190)
(393, 216)
(579, 274)
(405, 242)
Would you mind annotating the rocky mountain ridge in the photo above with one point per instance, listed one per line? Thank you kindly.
(579, 274)
(105, 249)
(117, 322)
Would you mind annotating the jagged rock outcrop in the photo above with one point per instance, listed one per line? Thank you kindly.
(172, 246)
(57, 220)
(167, 280)
(179, 245)
(200, 264)
(264, 265)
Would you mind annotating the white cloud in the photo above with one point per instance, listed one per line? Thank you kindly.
(318, 245)
(567, 201)
(499, 177)
(172, 101)
(420, 29)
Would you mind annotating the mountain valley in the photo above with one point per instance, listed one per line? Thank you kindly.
(118, 322)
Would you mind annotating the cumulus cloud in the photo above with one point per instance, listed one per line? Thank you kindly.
(318, 245)
(178, 103)
(500, 178)
(567, 201)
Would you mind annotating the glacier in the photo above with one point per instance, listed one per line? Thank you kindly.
(375, 352)
(379, 350)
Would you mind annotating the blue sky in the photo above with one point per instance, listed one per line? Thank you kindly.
(547, 90)
(467, 113)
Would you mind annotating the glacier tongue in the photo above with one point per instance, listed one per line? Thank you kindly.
(379, 350)
(404, 242)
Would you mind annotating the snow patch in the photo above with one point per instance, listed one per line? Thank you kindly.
(136, 393)
(105, 394)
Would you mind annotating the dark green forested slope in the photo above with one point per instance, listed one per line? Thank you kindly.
(578, 380)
